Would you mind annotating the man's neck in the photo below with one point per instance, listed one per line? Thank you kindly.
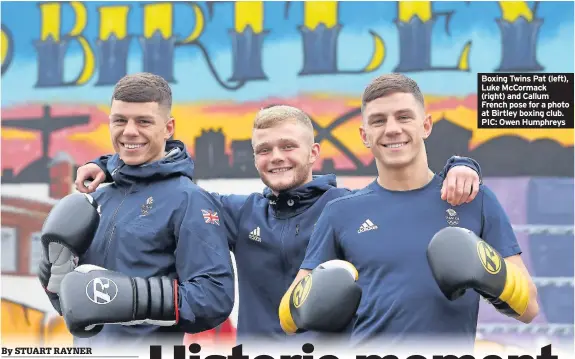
(412, 177)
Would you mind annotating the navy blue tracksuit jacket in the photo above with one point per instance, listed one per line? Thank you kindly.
(269, 236)
(156, 222)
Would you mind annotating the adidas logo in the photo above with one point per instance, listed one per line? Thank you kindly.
(255, 235)
(366, 226)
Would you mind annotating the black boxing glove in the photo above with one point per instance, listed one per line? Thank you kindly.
(67, 234)
(91, 296)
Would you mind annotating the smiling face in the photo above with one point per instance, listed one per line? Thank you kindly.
(139, 131)
(284, 155)
(140, 121)
(284, 150)
(395, 126)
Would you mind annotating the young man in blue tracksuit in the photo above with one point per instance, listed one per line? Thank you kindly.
(269, 231)
(155, 222)
(391, 247)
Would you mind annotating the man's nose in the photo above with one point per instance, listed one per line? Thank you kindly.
(131, 129)
(277, 155)
(392, 127)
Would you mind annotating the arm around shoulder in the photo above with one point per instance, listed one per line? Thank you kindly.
(454, 161)
(204, 266)
(95, 171)
(102, 162)
(461, 180)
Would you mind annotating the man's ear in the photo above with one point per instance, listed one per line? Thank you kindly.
(314, 155)
(170, 128)
(363, 136)
(427, 126)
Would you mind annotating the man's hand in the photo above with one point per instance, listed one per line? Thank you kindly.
(460, 186)
(87, 172)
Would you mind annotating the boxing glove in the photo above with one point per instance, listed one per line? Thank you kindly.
(67, 233)
(460, 260)
(91, 296)
(44, 274)
(325, 300)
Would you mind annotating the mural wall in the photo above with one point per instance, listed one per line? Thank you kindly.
(227, 60)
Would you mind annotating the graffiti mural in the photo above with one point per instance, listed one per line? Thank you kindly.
(227, 60)
(24, 324)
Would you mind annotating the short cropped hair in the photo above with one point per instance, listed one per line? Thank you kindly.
(389, 84)
(144, 87)
(274, 115)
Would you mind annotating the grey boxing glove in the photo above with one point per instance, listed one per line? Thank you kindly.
(325, 300)
(67, 234)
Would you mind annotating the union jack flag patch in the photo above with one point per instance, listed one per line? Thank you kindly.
(211, 217)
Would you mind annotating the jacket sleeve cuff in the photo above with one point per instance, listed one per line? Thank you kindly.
(102, 164)
(462, 161)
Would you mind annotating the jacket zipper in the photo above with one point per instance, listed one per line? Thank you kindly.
(284, 260)
(113, 225)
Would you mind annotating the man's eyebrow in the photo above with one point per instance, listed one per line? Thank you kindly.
(281, 140)
(141, 117)
(382, 114)
(263, 144)
(405, 110)
(376, 115)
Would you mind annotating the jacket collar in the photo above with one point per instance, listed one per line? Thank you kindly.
(295, 201)
(176, 162)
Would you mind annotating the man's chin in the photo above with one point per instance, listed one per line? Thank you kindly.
(396, 164)
(280, 185)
